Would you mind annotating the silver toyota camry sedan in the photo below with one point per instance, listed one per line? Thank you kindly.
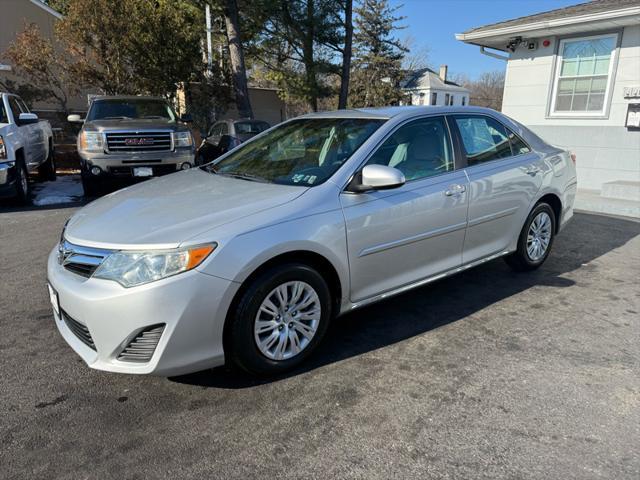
(247, 259)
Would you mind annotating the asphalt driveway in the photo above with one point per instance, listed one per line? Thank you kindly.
(489, 374)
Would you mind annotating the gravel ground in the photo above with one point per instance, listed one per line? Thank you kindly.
(489, 374)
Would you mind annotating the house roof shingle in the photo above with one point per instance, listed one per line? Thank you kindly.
(595, 6)
(427, 78)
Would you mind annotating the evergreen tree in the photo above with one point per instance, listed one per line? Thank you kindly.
(378, 54)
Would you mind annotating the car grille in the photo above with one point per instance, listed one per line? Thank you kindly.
(78, 329)
(141, 348)
(139, 141)
(82, 261)
(157, 170)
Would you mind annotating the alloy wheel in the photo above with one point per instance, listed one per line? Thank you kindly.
(287, 320)
(539, 236)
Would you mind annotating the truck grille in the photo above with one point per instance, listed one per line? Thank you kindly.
(156, 141)
(78, 329)
(141, 348)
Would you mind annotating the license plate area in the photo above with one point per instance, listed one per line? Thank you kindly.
(142, 171)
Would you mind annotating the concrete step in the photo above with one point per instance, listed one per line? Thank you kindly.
(593, 201)
(622, 190)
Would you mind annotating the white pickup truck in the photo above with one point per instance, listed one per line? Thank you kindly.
(26, 146)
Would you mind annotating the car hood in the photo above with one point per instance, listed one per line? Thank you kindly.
(164, 212)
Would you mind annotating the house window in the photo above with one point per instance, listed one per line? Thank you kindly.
(421, 100)
(434, 98)
(451, 100)
(583, 75)
(464, 100)
(446, 98)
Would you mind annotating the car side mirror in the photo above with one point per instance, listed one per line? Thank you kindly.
(376, 177)
(74, 118)
(186, 118)
(27, 118)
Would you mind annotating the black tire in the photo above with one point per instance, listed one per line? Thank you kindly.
(47, 171)
(90, 187)
(243, 350)
(520, 260)
(22, 189)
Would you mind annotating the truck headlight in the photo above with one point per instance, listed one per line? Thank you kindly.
(182, 139)
(90, 142)
(132, 268)
(3, 149)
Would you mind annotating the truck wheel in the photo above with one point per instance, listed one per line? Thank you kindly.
(47, 171)
(22, 182)
(90, 187)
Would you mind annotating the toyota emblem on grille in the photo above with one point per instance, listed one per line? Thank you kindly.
(138, 141)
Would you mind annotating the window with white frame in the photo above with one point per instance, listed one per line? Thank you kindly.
(583, 75)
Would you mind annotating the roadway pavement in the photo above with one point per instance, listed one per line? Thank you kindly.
(489, 374)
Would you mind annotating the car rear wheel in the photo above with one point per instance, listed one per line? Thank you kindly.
(280, 319)
(535, 241)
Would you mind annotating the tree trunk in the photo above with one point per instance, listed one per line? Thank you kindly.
(346, 54)
(238, 69)
(309, 62)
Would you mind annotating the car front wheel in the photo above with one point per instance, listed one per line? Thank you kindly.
(535, 241)
(279, 320)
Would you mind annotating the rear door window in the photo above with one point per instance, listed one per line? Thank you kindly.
(518, 146)
(251, 127)
(484, 139)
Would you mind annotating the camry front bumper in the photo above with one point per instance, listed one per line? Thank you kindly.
(168, 327)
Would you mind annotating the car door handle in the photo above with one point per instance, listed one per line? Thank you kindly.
(455, 190)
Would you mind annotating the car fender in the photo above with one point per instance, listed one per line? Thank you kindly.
(323, 234)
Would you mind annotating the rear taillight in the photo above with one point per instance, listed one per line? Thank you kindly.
(573, 157)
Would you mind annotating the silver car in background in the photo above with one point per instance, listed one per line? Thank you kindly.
(248, 258)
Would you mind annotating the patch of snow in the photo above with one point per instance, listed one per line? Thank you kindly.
(65, 189)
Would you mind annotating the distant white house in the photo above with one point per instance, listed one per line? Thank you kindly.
(426, 87)
(573, 76)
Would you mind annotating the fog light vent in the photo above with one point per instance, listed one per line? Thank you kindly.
(141, 348)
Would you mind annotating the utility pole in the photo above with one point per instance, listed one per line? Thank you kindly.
(207, 10)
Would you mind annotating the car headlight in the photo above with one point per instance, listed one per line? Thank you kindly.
(182, 139)
(132, 268)
(90, 142)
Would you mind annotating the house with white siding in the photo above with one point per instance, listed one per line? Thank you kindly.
(573, 77)
(426, 87)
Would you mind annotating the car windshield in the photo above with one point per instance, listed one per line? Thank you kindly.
(142, 108)
(251, 127)
(302, 152)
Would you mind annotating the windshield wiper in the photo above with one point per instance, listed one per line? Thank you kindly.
(154, 116)
(116, 118)
(245, 176)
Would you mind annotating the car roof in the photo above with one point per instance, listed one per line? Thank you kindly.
(397, 112)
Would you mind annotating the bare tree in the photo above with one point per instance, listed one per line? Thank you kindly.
(417, 56)
(486, 91)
